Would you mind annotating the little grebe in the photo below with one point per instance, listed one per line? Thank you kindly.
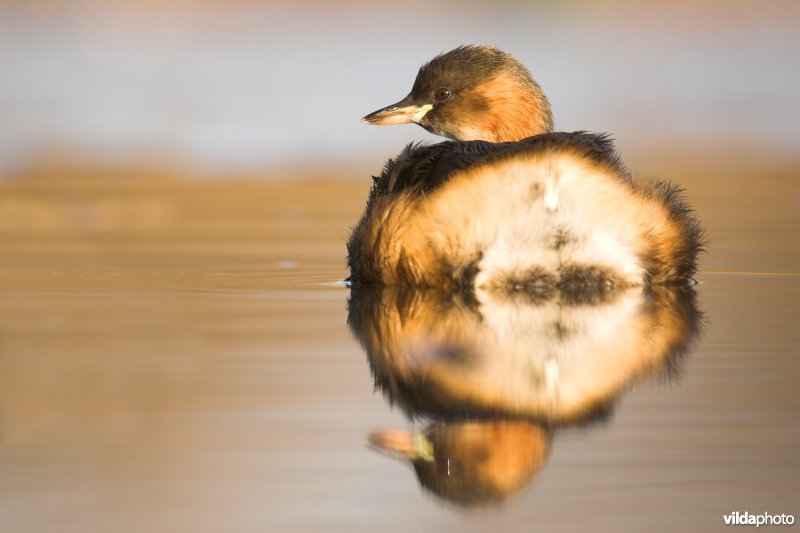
(508, 203)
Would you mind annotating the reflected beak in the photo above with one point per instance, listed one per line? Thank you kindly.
(402, 443)
(403, 112)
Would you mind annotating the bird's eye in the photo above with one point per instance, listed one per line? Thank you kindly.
(441, 94)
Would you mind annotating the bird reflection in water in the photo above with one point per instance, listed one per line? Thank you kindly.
(497, 373)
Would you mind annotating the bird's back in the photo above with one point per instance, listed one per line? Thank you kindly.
(552, 211)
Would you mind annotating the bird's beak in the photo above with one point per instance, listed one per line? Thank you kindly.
(403, 112)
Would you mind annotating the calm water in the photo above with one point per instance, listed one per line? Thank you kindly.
(176, 356)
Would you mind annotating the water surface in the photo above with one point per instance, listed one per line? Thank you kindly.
(175, 356)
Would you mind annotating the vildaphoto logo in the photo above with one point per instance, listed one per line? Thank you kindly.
(764, 519)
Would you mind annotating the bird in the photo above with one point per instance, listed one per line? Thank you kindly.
(507, 204)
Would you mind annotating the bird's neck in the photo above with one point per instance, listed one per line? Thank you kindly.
(513, 112)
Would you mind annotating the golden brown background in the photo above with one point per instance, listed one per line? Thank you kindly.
(177, 180)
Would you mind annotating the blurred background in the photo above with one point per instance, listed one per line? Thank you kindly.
(178, 179)
(244, 86)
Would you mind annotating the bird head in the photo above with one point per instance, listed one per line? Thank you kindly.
(472, 93)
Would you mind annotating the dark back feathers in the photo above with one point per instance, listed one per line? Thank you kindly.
(426, 167)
